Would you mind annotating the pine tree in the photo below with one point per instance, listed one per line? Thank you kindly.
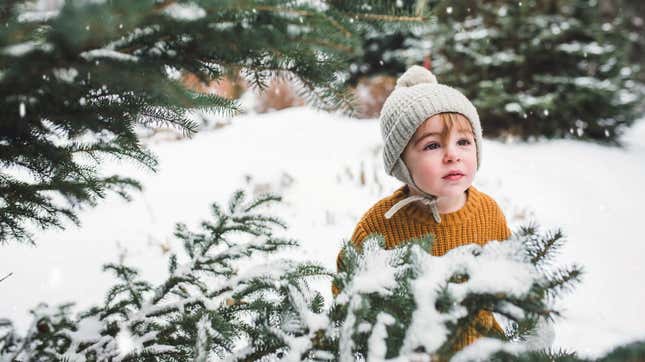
(421, 304)
(389, 48)
(208, 306)
(629, 18)
(380, 48)
(538, 68)
(77, 83)
(219, 302)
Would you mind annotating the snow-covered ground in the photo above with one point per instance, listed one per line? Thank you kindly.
(329, 170)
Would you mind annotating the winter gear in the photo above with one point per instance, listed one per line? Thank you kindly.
(479, 221)
(417, 97)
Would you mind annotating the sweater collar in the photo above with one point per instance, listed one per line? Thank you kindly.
(421, 212)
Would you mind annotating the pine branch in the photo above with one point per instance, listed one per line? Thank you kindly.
(101, 72)
(562, 280)
(541, 248)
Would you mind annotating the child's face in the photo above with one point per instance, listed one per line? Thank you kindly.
(432, 158)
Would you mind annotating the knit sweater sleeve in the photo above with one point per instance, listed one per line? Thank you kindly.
(502, 229)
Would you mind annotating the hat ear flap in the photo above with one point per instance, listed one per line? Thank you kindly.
(401, 172)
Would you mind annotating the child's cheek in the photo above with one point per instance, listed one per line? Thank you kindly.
(428, 171)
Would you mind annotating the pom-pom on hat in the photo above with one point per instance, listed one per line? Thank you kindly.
(418, 96)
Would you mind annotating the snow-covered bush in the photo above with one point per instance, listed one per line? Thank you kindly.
(537, 68)
(405, 302)
(207, 307)
(219, 303)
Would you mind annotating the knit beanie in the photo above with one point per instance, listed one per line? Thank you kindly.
(417, 97)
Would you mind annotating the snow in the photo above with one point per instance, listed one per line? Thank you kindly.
(513, 107)
(185, 12)
(590, 82)
(376, 344)
(542, 337)
(590, 48)
(133, 35)
(496, 259)
(204, 330)
(66, 75)
(298, 30)
(513, 310)
(37, 16)
(313, 321)
(376, 274)
(498, 58)
(225, 25)
(428, 325)
(108, 53)
(172, 72)
(625, 97)
(89, 330)
(528, 100)
(39, 10)
(482, 348)
(125, 343)
(592, 192)
(18, 50)
(476, 34)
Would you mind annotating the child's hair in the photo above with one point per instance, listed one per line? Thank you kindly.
(451, 120)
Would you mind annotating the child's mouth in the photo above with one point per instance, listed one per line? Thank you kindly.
(453, 177)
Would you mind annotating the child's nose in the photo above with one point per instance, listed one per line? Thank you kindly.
(451, 153)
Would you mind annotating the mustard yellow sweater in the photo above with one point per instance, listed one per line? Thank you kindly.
(479, 220)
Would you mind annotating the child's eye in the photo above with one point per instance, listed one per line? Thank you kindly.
(464, 142)
(431, 146)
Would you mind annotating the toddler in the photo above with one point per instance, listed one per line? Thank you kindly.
(433, 144)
